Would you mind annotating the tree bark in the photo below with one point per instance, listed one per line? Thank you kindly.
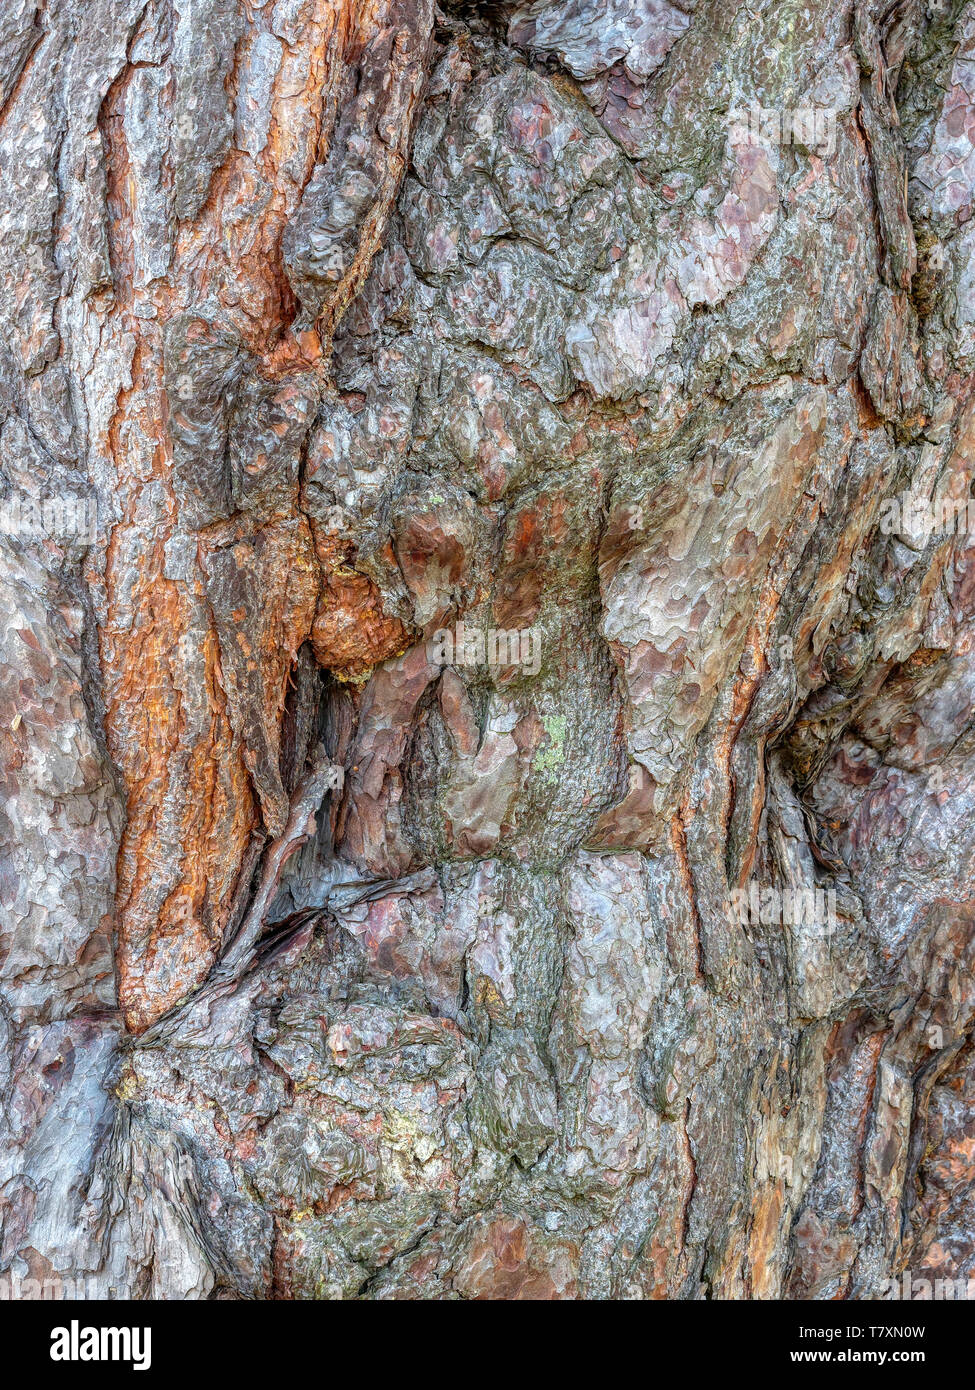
(486, 660)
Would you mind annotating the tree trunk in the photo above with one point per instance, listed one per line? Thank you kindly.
(487, 647)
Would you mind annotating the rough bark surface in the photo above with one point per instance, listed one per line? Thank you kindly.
(333, 969)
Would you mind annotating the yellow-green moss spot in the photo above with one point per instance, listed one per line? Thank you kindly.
(550, 758)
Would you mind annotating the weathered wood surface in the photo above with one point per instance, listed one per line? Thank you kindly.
(351, 322)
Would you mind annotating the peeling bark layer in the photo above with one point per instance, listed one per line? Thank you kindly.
(526, 550)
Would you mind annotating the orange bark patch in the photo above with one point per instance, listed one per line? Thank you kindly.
(352, 633)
